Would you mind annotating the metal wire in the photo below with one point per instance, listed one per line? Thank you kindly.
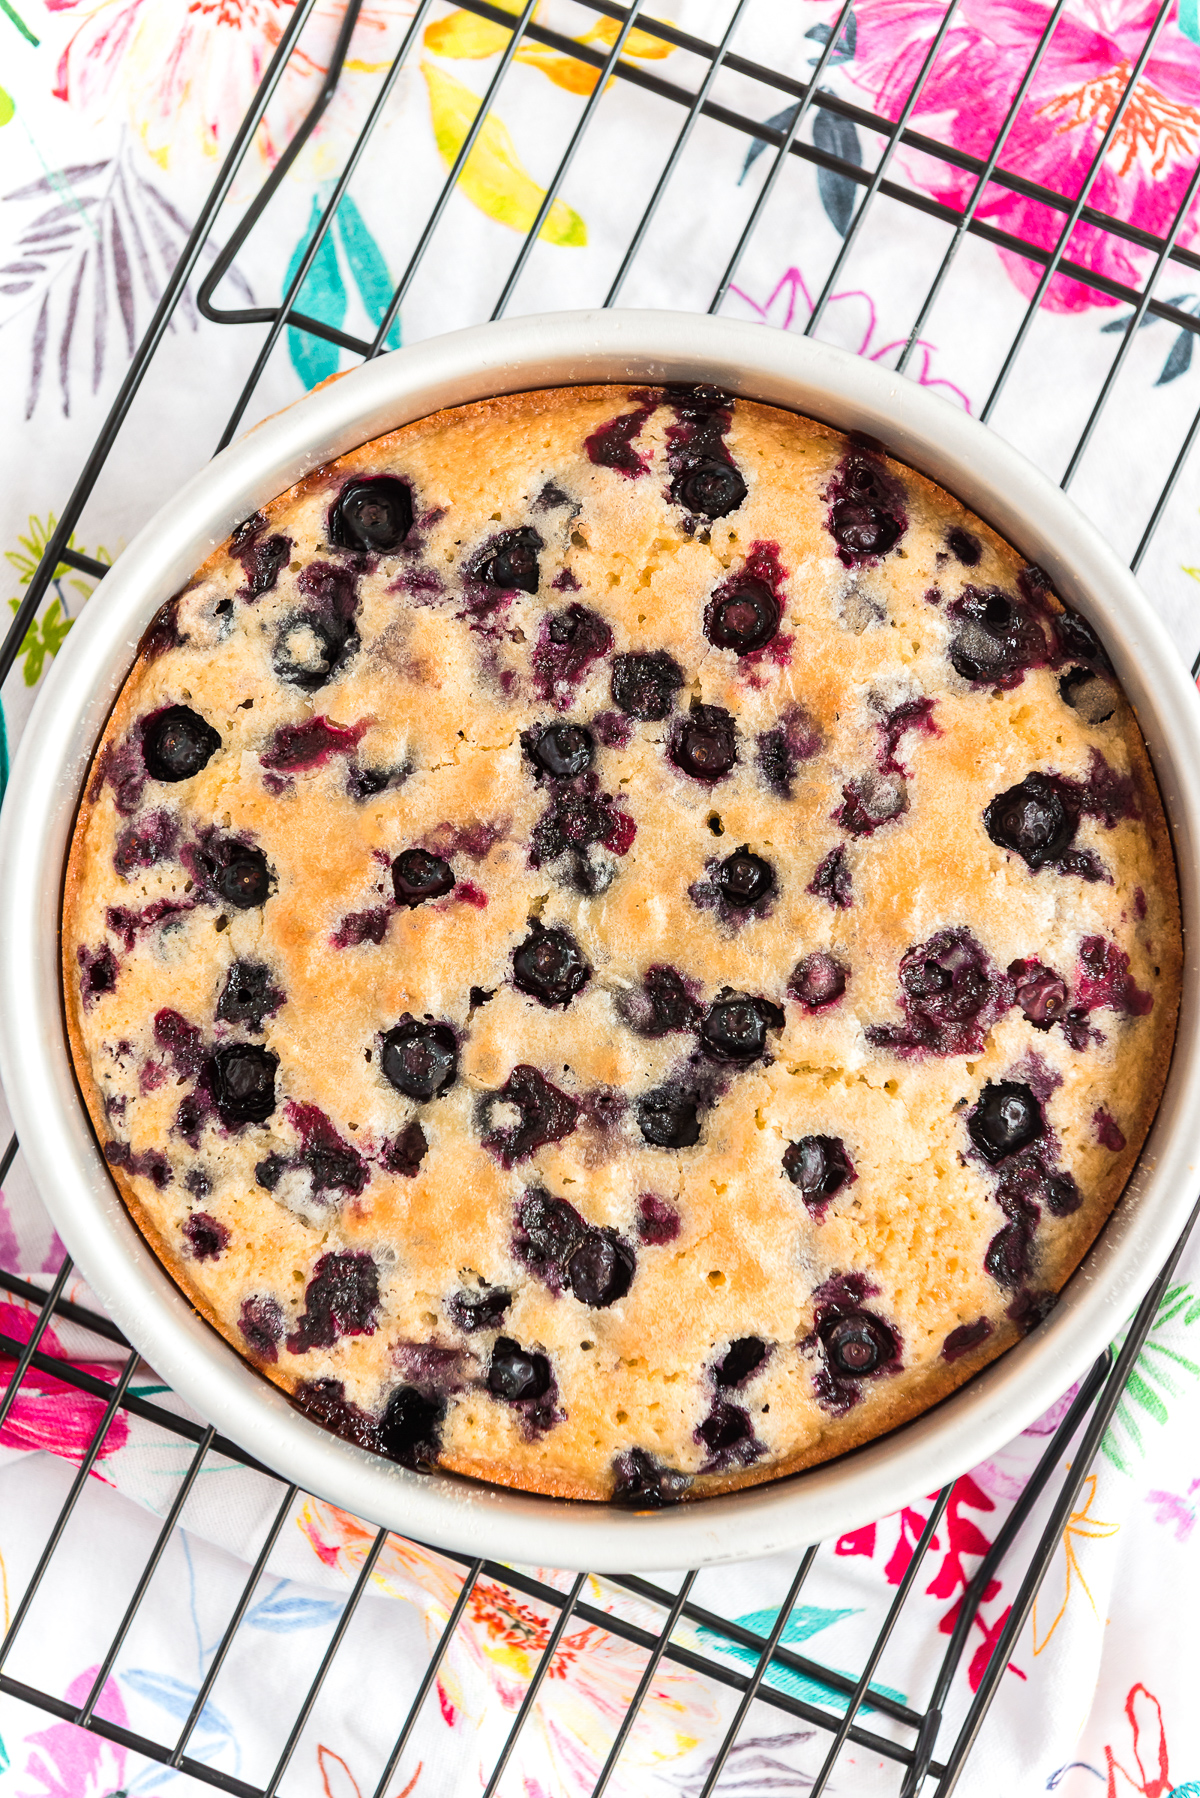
(770, 1685)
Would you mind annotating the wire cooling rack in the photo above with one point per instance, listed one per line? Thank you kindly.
(808, 125)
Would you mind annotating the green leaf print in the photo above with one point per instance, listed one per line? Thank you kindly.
(45, 636)
(1154, 1380)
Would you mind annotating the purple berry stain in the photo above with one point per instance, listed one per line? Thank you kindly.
(611, 445)
(569, 642)
(341, 1299)
(296, 748)
(544, 1114)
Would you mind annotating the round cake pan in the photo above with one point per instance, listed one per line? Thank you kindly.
(562, 349)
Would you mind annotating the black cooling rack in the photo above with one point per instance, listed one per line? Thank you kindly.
(814, 126)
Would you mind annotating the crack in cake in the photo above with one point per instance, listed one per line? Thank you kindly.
(620, 942)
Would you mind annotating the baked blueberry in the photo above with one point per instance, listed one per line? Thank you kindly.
(478, 1309)
(669, 1117)
(563, 750)
(515, 1373)
(1008, 1257)
(326, 1403)
(248, 995)
(261, 1323)
(420, 1060)
(1007, 1118)
(857, 1343)
(946, 979)
(740, 1360)
(177, 743)
(310, 648)
(964, 545)
(743, 617)
(1077, 640)
(404, 1153)
(544, 1114)
(818, 980)
(705, 745)
(644, 686)
(640, 1480)
(1062, 1195)
(510, 560)
(417, 875)
(819, 1167)
(242, 876)
(709, 488)
(341, 1299)
(550, 967)
(735, 1027)
(269, 1172)
(864, 519)
(1089, 694)
(410, 1427)
(371, 514)
(1033, 819)
(832, 880)
(365, 783)
(1040, 993)
(744, 878)
(966, 1337)
(145, 842)
(205, 1236)
(723, 1428)
(663, 1004)
(243, 1083)
(601, 1269)
(997, 639)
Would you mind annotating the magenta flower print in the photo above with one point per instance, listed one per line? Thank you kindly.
(48, 1413)
(1070, 104)
(66, 1762)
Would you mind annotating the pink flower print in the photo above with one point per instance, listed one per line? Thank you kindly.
(1057, 132)
(68, 1762)
(50, 1414)
(1176, 1510)
(185, 71)
(851, 322)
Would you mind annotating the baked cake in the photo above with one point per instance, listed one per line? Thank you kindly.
(620, 942)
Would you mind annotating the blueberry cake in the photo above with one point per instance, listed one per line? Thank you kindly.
(620, 942)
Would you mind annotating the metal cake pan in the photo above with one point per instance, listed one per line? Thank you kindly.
(918, 428)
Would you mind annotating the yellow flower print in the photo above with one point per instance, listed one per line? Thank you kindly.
(1080, 1525)
(465, 36)
(493, 176)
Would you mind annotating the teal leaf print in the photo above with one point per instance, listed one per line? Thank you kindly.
(1188, 21)
(3, 754)
(322, 296)
(5, 1763)
(1157, 1377)
(368, 267)
(805, 1621)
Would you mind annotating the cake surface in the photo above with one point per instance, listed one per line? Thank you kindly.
(620, 942)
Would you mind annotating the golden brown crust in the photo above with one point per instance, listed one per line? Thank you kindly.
(445, 677)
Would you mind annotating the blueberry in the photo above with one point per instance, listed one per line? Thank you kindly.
(515, 1373)
(1063, 1196)
(248, 995)
(564, 750)
(341, 1299)
(709, 488)
(818, 980)
(545, 1114)
(177, 743)
(1007, 1119)
(998, 637)
(743, 618)
(365, 783)
(1008, 1256)
(420, 1060)
(404, 1154)
(819, 1166)
(1078, 641)
(862, 521)
(601, 1270)
(410, 1427)
(243, 1079)
(471, 1311)
(741, 1359)
(1033, 819)
(371, 514)
(640, 1480)
(735, 1028)
(417, 876)
(1040, 993)
(669, 1117)
(261, 1323)
(511, 560)
(857, 1343)
(242, 879)
(548, 1233)
(1089, 694)
(967, 1336)
(744, 878)
(723, 1428)
(326, 1403)
(644, 686)
(269, 1172)
(706, 744)
(946, 979)
(311, 647)
(663, 1004)
(964, 545)
(205, 1236)
(550, 967)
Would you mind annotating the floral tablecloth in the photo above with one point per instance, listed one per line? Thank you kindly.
(113, 118)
